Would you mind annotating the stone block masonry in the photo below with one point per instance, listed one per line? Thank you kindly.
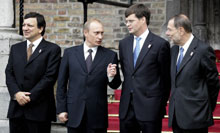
(65, 19)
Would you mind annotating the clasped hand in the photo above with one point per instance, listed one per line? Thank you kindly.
(22, 97)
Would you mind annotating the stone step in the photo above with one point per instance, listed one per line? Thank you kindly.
(114, 125)
(117, 93)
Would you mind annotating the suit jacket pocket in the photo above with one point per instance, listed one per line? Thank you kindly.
(192, 109)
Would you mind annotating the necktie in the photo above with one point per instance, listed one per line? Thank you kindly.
(137, 50)
(180, 59)
(29, 51)
(89, 60)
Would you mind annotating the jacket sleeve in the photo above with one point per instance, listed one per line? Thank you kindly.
(61, 94)
(12, 85)
(164, 60)
(211, 75)
(115, 83)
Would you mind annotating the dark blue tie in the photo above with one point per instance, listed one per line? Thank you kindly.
(89, 60)
(180, 59)
(137, 50)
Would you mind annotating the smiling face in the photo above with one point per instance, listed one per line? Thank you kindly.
(173, 33)
(135, 25)
(94, 34)
(30, 30)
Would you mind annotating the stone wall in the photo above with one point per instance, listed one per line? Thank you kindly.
(65, 19)
(8, 36)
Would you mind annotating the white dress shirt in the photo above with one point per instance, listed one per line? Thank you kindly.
(143, 38)
(185, 46)
(36, 43)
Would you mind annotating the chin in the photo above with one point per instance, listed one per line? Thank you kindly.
(131, 32)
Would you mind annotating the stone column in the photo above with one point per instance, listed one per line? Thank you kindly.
(199, 24)
(8, 36)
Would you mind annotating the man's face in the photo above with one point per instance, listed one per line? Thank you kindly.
(94, 35)
(134, 24)
(30, 30)
(173, 33)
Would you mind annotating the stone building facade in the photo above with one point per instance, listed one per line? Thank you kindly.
(65, 19)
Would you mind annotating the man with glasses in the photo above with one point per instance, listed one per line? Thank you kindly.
(194, 76)
(145, 63)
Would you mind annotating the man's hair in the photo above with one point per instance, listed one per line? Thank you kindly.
(40, 20)
(140, 10)
(182, 20)
(87, 24)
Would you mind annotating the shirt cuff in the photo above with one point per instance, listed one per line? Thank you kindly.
(110, 79)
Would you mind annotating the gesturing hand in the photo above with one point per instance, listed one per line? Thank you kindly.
(111, 70)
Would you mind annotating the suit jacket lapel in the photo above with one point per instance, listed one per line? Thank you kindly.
(23, 50)
(40, 49)
(130, 52)
(145, 49)
(189, 54)
(80, 57)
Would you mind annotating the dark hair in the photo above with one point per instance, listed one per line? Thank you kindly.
(140, 10)
(182, 20)
(40, 20)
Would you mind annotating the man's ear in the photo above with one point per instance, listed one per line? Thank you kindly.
(144, 19)
(181, 30)
(85, 32)
(41, 30)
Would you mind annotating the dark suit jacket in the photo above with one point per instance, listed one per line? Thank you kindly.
(150, 79)
(36, 76)
(79, 89)
(194, 87)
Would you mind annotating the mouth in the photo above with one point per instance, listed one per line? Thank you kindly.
(26, 33)
(99, 42)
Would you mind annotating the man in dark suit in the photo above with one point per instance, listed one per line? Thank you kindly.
(83, 80)
(31, 73)
(194, 79)
(145, 63)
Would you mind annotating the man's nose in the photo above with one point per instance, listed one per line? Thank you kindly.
(24, 27)
(100, 36)
(167, 33)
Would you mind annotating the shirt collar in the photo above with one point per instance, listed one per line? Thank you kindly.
(187, 44)
(36, 42)
(144, 35)
(86, 48)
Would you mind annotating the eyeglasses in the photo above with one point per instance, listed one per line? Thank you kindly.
(129, 21)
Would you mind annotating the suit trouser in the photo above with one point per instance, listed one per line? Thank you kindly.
(21, 125)
(84, 127)
(177, 129)
(131, 125)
